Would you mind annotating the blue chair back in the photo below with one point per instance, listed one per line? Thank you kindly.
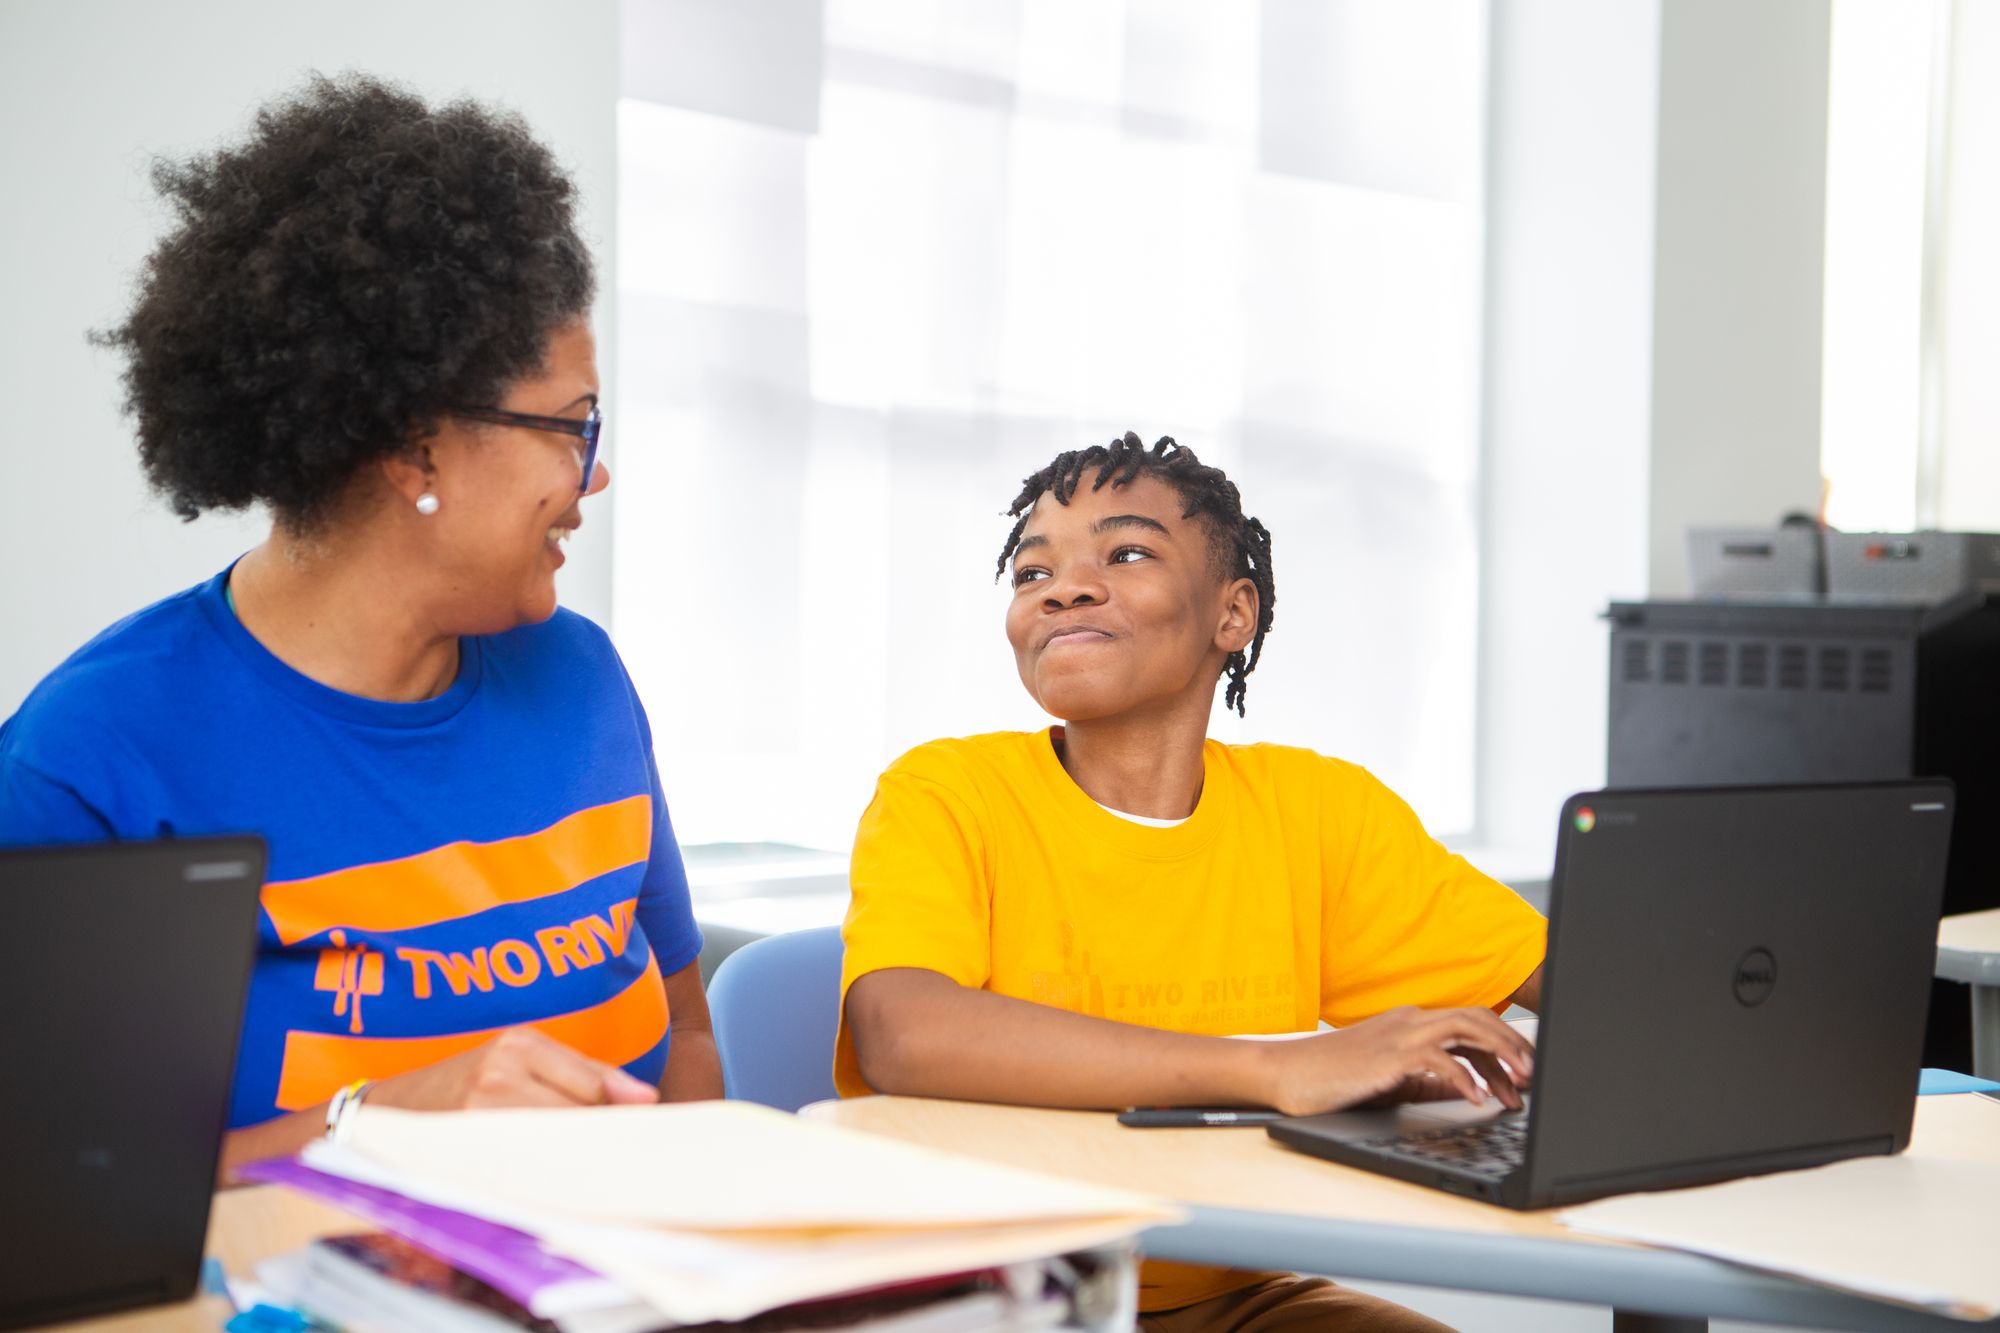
(775, 1004)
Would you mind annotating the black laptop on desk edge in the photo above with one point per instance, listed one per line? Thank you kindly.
(123, 972)
(1737, 981)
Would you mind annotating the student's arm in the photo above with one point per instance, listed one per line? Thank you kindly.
(1529, 994)
(694, 1067)
(919, 1033)
(666, 914)
(520, 1067)
(1406, 921)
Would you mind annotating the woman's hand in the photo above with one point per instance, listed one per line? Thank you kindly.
(1402, 1055)
(520, 1067)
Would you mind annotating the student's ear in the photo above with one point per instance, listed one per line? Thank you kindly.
(1239, 617)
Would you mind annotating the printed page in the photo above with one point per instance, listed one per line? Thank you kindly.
(706, 1166)
(1915, 1230)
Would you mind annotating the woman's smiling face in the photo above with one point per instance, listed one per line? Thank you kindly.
(1118, 604)
(509, 496)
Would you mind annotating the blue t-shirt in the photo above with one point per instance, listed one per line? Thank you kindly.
(499, 855)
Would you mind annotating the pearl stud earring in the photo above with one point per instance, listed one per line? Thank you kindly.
(427, 504)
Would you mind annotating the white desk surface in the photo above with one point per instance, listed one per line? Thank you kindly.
(1969, 948)
(1275, 1207)
(1971, 932)
(1257, 1203)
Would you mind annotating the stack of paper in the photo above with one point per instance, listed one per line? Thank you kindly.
(1914, 1230)
(512, 1262)
(698, 1212)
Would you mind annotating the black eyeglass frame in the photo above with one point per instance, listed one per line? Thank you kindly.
(589, 429)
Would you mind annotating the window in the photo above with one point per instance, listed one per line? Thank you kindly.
(879, 261)
(1911, 415)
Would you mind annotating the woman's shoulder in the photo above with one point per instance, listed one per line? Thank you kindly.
(124, 692)
(137, 663)
(563, 652)
(564, 632)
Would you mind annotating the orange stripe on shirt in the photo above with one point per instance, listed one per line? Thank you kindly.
(617, 1031)
(461, 878)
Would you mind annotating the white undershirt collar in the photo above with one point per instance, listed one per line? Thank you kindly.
(1147, 820)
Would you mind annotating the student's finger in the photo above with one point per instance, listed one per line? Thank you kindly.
(1489, 1068)
(1454, 1075)
(1510, 1038)
(1426, 1087)
(1493, 1066)
(1501, 1074)
(1481, 1029)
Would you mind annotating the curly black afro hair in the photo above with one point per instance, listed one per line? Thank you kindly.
(334, 284)
(1240, 546)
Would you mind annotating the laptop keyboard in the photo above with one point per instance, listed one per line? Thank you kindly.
(1493, 1148)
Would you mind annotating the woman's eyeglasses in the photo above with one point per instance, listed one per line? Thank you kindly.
(588, 429)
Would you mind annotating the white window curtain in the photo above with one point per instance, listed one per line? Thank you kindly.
(1910, 434)
(1968, 321)
(879, 261)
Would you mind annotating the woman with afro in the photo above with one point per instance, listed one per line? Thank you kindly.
(371, 318)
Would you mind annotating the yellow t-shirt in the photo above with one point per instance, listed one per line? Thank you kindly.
(1300, 889)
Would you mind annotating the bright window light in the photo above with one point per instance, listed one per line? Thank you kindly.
(1004, 229)
(1878, 143)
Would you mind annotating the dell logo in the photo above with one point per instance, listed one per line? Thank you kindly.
(1756, 977)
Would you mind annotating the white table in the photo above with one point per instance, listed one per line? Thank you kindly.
(1255, 1204)
(1969, 951)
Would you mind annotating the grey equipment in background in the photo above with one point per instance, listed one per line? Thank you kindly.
(1800, 561)
(1893, 671)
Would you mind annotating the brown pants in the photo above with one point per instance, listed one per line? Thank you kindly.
(1296, 1304)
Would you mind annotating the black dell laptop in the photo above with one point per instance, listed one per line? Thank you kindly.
(1737, 981)
(123, 970)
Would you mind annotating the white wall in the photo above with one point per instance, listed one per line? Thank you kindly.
(1656, 225)
(1627, 394)
(89, 91)
(1969, 318)
(1739, 269)
(1569, 325)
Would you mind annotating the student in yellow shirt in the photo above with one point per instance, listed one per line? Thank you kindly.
(1080, 916)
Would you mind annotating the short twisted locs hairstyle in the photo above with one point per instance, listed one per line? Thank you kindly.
(332, 284)
(1240, 546)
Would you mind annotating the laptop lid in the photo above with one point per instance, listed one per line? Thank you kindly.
(1737, 981)
(123, 970)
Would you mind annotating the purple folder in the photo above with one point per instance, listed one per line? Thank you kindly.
(512, 1261)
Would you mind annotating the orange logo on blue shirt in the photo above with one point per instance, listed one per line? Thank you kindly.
(566, 956)
(349, 974)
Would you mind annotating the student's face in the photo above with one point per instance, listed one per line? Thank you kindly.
(508, 496)
(1117, 604)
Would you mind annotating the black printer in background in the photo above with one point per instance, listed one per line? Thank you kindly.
(1809, 655)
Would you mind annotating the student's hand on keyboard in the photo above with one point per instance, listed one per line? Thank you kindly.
(1407, 1054)
(520, 1067)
